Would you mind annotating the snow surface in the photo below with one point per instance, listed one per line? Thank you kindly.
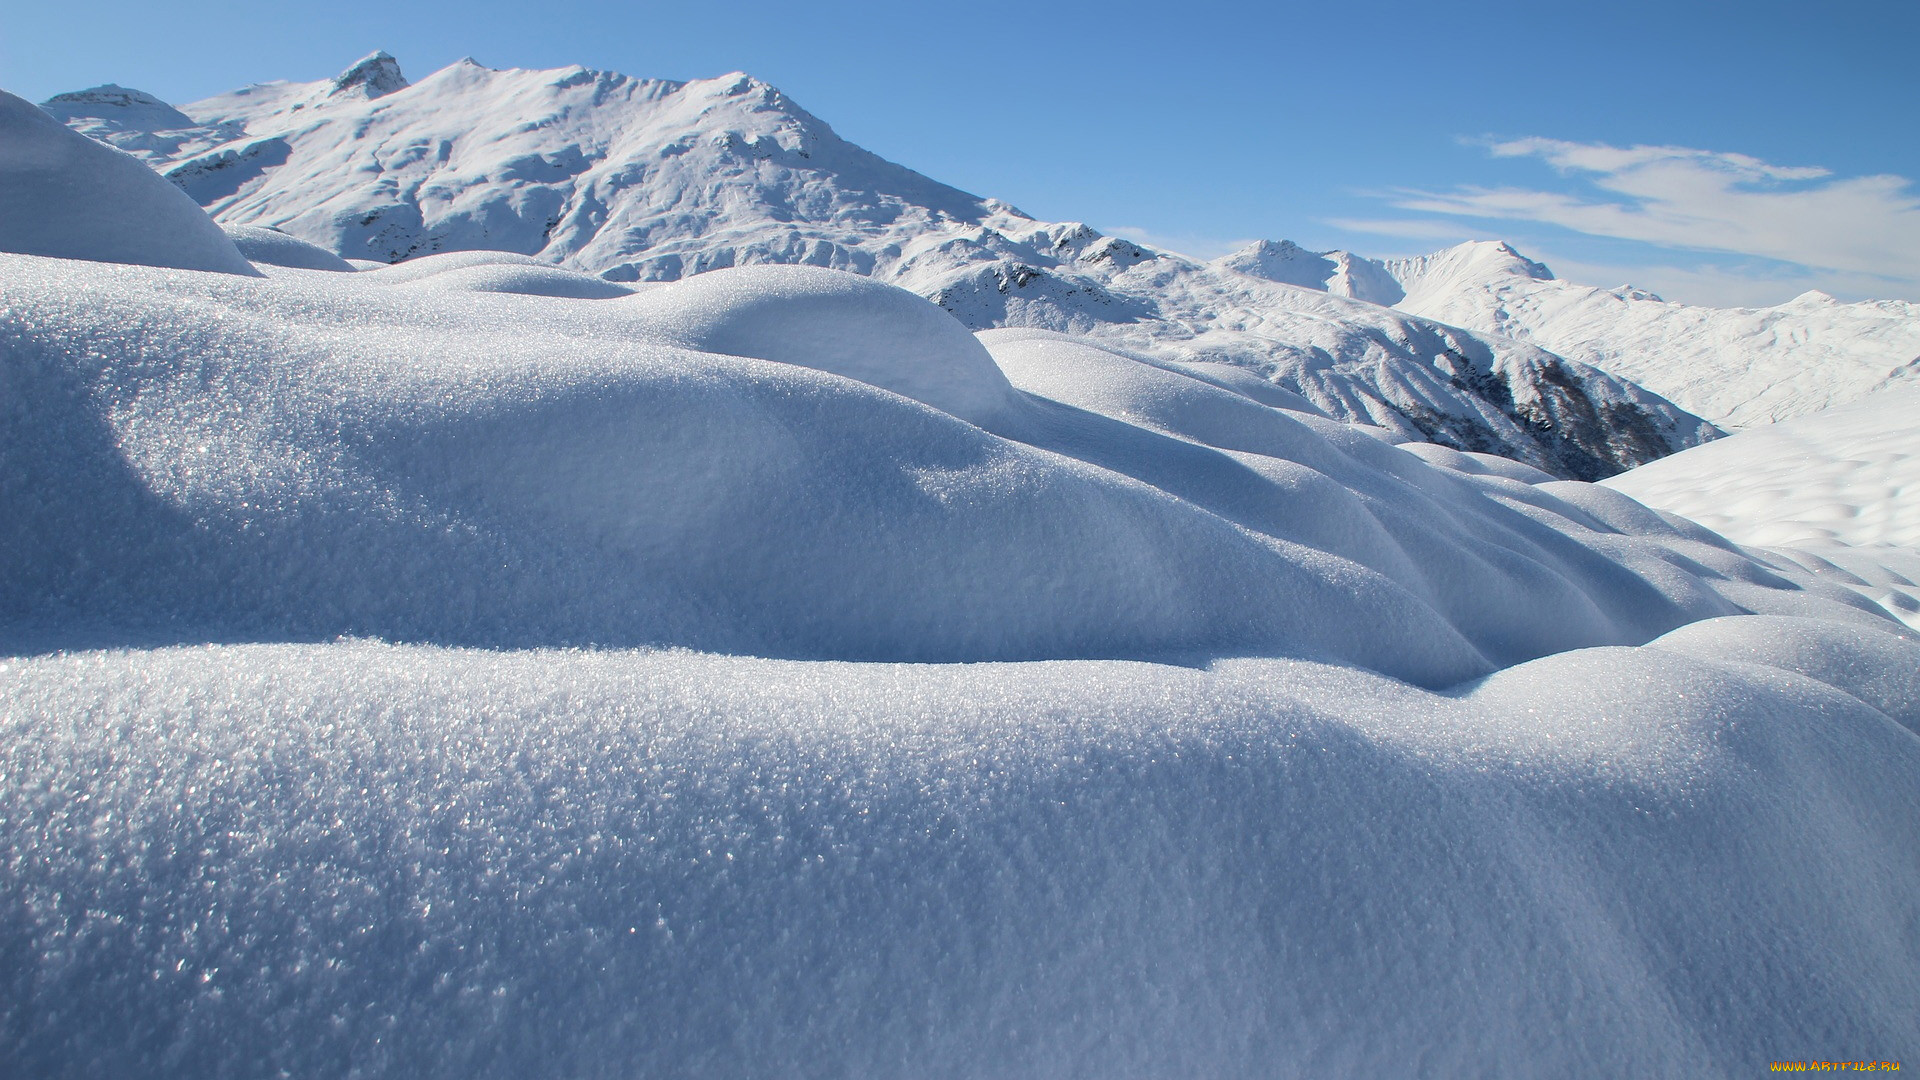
(378, 860)
(275, 248)
(449, 669)
(639, 180)
(1737, 367)
(1849, 475)
(1836, 493)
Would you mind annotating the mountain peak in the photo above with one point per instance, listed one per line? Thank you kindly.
(105, 94)
(1504, 255)
(114, 102)
(378, 72)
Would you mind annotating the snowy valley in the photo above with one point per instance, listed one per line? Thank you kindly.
(546, 573)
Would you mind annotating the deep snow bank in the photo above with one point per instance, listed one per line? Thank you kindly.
(362, 859)
(275, 248)
(207, 457)
(65, 195)
(1277, 855)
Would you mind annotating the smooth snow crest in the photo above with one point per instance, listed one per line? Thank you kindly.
(64, 195)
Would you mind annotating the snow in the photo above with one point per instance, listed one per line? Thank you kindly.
(1835, 493)
(835, 322)
(365, 453)
(1738, 367)
(1849, 475)
(413, 861)
(637, 180)
(476, 667)
(65, 195)
(275, 248)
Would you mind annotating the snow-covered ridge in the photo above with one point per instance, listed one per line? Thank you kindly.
(1735, 366)
(649, 180)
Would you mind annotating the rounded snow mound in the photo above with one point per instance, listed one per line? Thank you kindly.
(831, 321)
(427, 266)
(319, 454)
(69, 197)
(275, 248)
(524, 280)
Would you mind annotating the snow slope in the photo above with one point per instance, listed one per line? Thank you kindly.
(61, 194)
(648, 180)
(1836, 492)
(408, 861)
(477, 668)
(1738, 367)
(1847, 475)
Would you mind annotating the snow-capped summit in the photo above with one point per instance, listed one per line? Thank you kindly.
(1338, 272)
(376, 75)
(113, 100)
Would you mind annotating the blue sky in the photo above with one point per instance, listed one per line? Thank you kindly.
(1737, 152)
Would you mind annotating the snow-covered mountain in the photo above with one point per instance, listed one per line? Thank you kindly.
(1735, 366)
(650, 180)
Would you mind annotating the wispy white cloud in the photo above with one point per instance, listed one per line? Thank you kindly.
(1865, 228)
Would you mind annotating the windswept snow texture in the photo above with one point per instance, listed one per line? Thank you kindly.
(68, 196)
(1738, 367)
(1835, 492)
(638, 180)
(386, 861)
(1308, 754)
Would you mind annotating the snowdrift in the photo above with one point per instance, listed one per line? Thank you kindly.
(1849, 475)
(408, 861)
(1285, 750)
(65, 195)
(206, 457)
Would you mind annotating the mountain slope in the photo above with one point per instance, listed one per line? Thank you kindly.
(1735, 366)
(648, 180)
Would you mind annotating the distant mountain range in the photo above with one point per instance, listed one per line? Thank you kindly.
(642, 180)
(1735, 366)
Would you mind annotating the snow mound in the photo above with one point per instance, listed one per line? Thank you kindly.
(351, 453)
(65, 195)
(362, 859)
(1879, 669)
(1319, 752)
(525, 280)
(426, 266)
(848, 325)
(275, 248)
